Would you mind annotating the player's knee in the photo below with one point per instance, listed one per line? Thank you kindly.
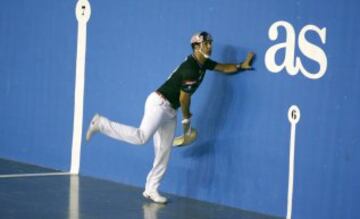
(143, 138)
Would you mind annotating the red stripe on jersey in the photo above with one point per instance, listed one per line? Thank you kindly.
(189, 82)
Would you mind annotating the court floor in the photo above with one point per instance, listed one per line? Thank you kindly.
(81, 197)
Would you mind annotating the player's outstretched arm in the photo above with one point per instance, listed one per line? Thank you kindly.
(233, 68)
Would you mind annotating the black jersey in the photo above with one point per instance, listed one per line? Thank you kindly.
(187, 77)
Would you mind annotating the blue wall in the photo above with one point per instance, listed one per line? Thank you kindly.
(37, 56)
(241, 156)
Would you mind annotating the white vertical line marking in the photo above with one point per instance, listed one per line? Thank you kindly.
(83, 12)
(294, 117)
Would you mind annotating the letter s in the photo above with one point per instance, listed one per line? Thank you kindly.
(312, 51)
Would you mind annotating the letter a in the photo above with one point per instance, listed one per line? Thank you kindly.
(288, 45)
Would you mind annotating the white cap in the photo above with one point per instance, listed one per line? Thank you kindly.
(201, 37)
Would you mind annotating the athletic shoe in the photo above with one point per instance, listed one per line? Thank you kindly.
(93, 127)
(155, 197)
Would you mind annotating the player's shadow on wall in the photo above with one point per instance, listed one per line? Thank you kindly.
(214, 115)
(211, 123)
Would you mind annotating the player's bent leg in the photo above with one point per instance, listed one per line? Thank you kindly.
(153, 116)
(93, 127)
(123, 132)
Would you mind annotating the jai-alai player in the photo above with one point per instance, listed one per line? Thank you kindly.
(159, 119)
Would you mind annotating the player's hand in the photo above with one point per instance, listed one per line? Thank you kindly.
(187, 127)
(247, 64)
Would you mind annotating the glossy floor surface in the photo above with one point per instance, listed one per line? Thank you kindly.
(75, 197)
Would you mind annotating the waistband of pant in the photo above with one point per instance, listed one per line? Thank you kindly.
(164, 98)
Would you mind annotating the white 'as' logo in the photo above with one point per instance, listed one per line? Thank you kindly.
(308, 49)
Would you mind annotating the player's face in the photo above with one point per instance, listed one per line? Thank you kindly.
(207, 47)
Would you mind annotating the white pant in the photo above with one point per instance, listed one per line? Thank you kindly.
(159, 120)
